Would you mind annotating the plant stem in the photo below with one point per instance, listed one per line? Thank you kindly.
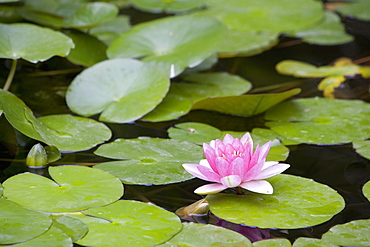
(239, 191)
(10, 76)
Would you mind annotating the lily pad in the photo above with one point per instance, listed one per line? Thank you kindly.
(278, 242)
(74, 188)
(151, 160)
(67, 13)
(173, 6)
(357, 9)
(247, 43)
(366, 190)
(329, 32)
(244, 105)
(66, 132)
(312, 242)
(116, 88)
(194, 235)
(281, 15)
(88, 50)
(74, 228)
(109, 30)
(32, 43)
(18, 223)
(296, 203)
(128, 223)
(53, 237)
(354, 233)
(194, 132)
(320, 120)
(362, 147)
(183, 95)
(169, 43)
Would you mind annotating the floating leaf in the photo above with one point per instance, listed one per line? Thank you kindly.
(366, 190)
(182, 96)
(329, 32)
(18, 223)
(152, 160)
(244, 105)
(88, 50)
(67, 14)
(66, 132)
(194, 132)
(357, 9)
(53, 237)
(320, 120)
(281, 15)
(74, 188)
(173, 6)
(111, 29)
(362, 147)
(169, 43)
(128, 223)
(312, 242)
(247, 43)
(278, 242)
(194, 235)
(343, 67)
(297, 202)
(116, 88)
(32, 43)
(74, 228)
(354, 233)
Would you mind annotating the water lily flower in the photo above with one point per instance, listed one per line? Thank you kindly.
(234, 163)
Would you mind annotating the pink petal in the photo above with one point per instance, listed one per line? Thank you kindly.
(210, 154)
(271, 169)
(228, 139)
(202, 171)
(209, 174)
(210, 189)
(193, 170)
(264, 150)
(231, 181)
(238, 167)
(247, 139)
(253, 171)
(223, 167)
(259, 186)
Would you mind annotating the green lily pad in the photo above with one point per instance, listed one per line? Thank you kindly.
(70, 133)
(362, 147)
(169, 43)
(117, 86)
(312, 242)
(329, 32)
(297, 202)
(281, 15)
(109, 30)
(278, 242)
(357, 9)
(194, 132)
(53, 237)
(194, 235)
(182, 96)
(32, 43)
(247, 43)
(366, 190)
(74, 228)
(173, 6)
(67, 13)
(244, 105)
(74, 188)
(354, 233)
(128, 223)
(88, 50)
(320, 120)
(151, 160)
(18, 223)
(306, 70)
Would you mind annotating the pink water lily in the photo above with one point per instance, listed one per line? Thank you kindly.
(234, 163)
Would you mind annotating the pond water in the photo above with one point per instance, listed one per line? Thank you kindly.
(338, 166)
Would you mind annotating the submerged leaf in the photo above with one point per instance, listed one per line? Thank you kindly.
(357, 9)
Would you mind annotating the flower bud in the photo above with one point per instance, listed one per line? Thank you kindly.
(37, 157)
